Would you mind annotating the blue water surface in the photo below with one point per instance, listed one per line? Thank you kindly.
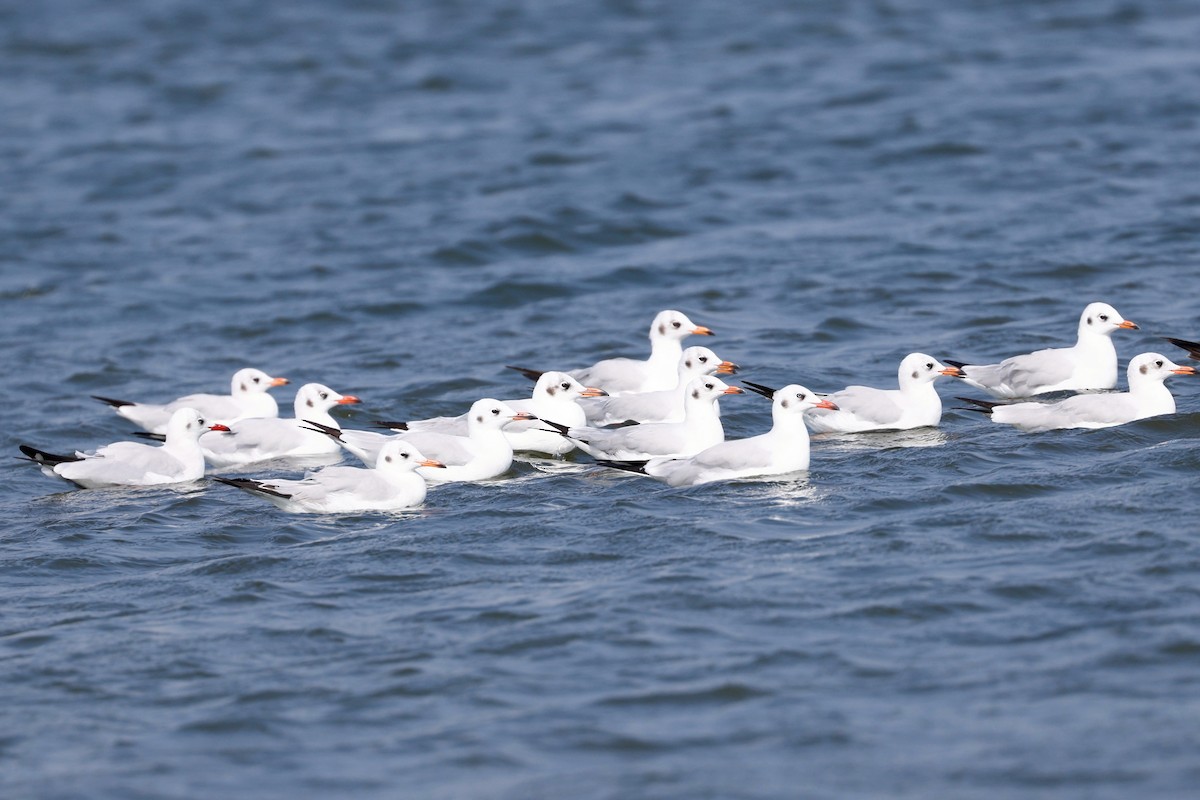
(399, 198)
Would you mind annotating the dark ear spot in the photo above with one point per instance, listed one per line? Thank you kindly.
(479, 418)
(1089, 320)
(243, 386)
(916, 373)
(688, 363)
(696, 393)
(1143, 369)
(388, 459)
(662, 328)
(553, 390)
(310, 403)
(783, 403)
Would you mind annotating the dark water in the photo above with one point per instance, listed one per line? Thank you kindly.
(398, 198)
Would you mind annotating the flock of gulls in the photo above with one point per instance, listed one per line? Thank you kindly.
(658, 417)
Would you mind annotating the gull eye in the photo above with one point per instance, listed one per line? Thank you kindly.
(928, 365)
(708, 386)
(676, 324)
(799, 395)
(566, 385)
(703, 359)
(404, 455)
(324, 395)
(201, 420)
(1158, 363)
(495, 412)
(258, 380)
(1104, 317)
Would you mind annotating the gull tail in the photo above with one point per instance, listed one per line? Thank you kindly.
(982, 406)
(251, 485)
(44, 458)
(391, 425)
(112, 402)
(328, 430)
(628, 466)
(532, 374)
(1193, 348)
(758, 388)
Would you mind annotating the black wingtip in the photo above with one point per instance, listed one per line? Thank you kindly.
(532, 374)
(42, 457)
(557, 426)
(328, 430)
(391, 425)
(1193, 348)
(953, 363)
(628, 466)
(625, 423)
(981, 406)
(758, 388)
(110, 401)
(250, 485)
(154, 437)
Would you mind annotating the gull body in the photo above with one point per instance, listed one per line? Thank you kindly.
(393, 484)
(700, 428)
(665, 405)
(177, 460)
(252, 440)
(1090, 365)
(248, 397)
(780, 451)
(1147, 396)
(915, 404)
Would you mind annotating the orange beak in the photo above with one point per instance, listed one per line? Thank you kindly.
(733, 390)
(829, 404)
(1130, 324)
(429, 462)
(954, 372)
(348, 400)
(219, 427)
(1185, 371)
(727, 368)
(522, 415)
(700, 330)
(592, 391)
(280, 381)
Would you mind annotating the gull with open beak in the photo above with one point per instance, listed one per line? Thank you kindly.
(482, 454)
(619, 375)
(247, 398)
(1148, 396)
(1091, 365)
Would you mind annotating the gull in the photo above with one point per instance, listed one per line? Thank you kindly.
(1090, 365)
(1148, 396)
(392, 485)
(616, 375)
(780, 451)
(555, 398)
(482, 454)
(661, 406)
(252, 440)
(861, 408)
(247, 398)
(701, 428)
(178, 460)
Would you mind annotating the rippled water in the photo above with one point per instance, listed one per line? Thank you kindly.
(397, 199)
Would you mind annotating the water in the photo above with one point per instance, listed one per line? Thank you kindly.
(397, 199)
